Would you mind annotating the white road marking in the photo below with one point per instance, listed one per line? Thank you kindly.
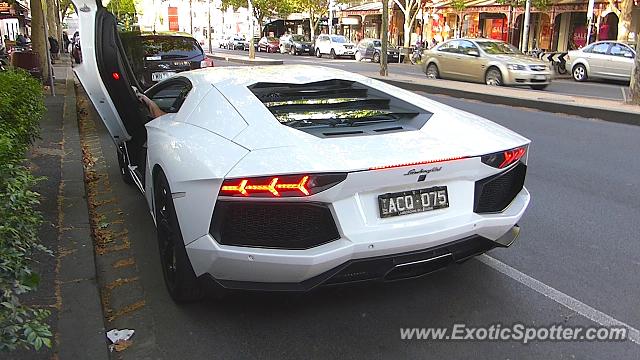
(624, 94)
(561, 298)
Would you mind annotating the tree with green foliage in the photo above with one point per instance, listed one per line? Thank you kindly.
(316, 10)
(124, 10)
(459, 6)
(21, 109)
(262, 9)
(409, 10)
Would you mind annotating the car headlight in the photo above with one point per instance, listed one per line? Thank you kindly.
(516, 67)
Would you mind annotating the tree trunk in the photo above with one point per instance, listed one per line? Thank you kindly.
(384, 71)
(38, 39)
(634, 87)
(312, 26)
(624, 22)
(407, 36)
(51, 19)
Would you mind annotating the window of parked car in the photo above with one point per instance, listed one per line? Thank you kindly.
(600, 48)
(620, 50)
(297, 37)
(377, 43)
(338, 39)
(497, 47)
(171, 47)
(449, 46)
(464, 47)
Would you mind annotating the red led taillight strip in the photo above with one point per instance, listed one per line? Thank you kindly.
(245, 188)
(416, 163)
(511, 156)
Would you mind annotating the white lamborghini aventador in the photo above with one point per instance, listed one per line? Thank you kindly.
(291, 177)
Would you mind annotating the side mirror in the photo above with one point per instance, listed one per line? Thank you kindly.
(473, 53)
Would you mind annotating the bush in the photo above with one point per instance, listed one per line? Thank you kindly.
(21, 109)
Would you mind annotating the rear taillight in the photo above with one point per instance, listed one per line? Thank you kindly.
(502, 159)
(280, 185)
(206, 63)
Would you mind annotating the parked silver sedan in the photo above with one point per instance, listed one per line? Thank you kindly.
(604, 59)
(482, 60)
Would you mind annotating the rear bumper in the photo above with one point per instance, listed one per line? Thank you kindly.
(277, 269)
(385, 268)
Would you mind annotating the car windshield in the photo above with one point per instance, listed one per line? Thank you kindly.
(339, 39)
(497, 47)
(170, 47)
(297, 37)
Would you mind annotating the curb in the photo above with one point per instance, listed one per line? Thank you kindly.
(245, 60)
(81, 322)
(582, 110)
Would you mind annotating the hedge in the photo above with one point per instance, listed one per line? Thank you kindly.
(21, 109)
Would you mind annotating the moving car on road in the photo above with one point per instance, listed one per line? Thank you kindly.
(162, 55)
(482, 60)
(269, 44)
(604, 59)
(290, 177)
(370, 49)
(334, 46)
(295, 45)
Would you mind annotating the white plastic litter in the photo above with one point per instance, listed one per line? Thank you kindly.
(116, 336)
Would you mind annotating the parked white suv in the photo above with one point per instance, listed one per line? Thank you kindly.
(334, 45)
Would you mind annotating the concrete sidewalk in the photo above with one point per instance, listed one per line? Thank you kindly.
(243, 59)
(68, 284)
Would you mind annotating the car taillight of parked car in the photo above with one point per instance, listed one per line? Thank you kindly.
(206, 63)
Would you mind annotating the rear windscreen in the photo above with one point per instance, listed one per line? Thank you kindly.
(171, 47)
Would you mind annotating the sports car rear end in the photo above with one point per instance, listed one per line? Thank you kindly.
(398, 187)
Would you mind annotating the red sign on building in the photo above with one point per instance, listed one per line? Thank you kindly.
(173, 19)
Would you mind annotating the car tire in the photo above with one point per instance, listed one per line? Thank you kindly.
(493, 77)
(432, 71)
(179, 277)
(332, 54)
(579, 73)
(539, 87)
(376, 57)
(122, 164)
(292, 51)
(358, 56)
(318, 53)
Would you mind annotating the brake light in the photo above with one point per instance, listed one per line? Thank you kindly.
(416, 163)
(280, 186)
(115, 76)
(206, 63)
(505, 158)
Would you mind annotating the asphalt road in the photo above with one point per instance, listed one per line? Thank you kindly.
(579, 238)
(596, 89)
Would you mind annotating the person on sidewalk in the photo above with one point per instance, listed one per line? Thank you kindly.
(65, 42)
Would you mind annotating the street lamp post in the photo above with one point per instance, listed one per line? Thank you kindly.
(209, 24)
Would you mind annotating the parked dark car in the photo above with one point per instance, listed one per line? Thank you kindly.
(269, 44)
(155, 57)
(295, 45)
(370, 49)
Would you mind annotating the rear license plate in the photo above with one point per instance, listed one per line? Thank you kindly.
(411, 202)
(159, 76)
